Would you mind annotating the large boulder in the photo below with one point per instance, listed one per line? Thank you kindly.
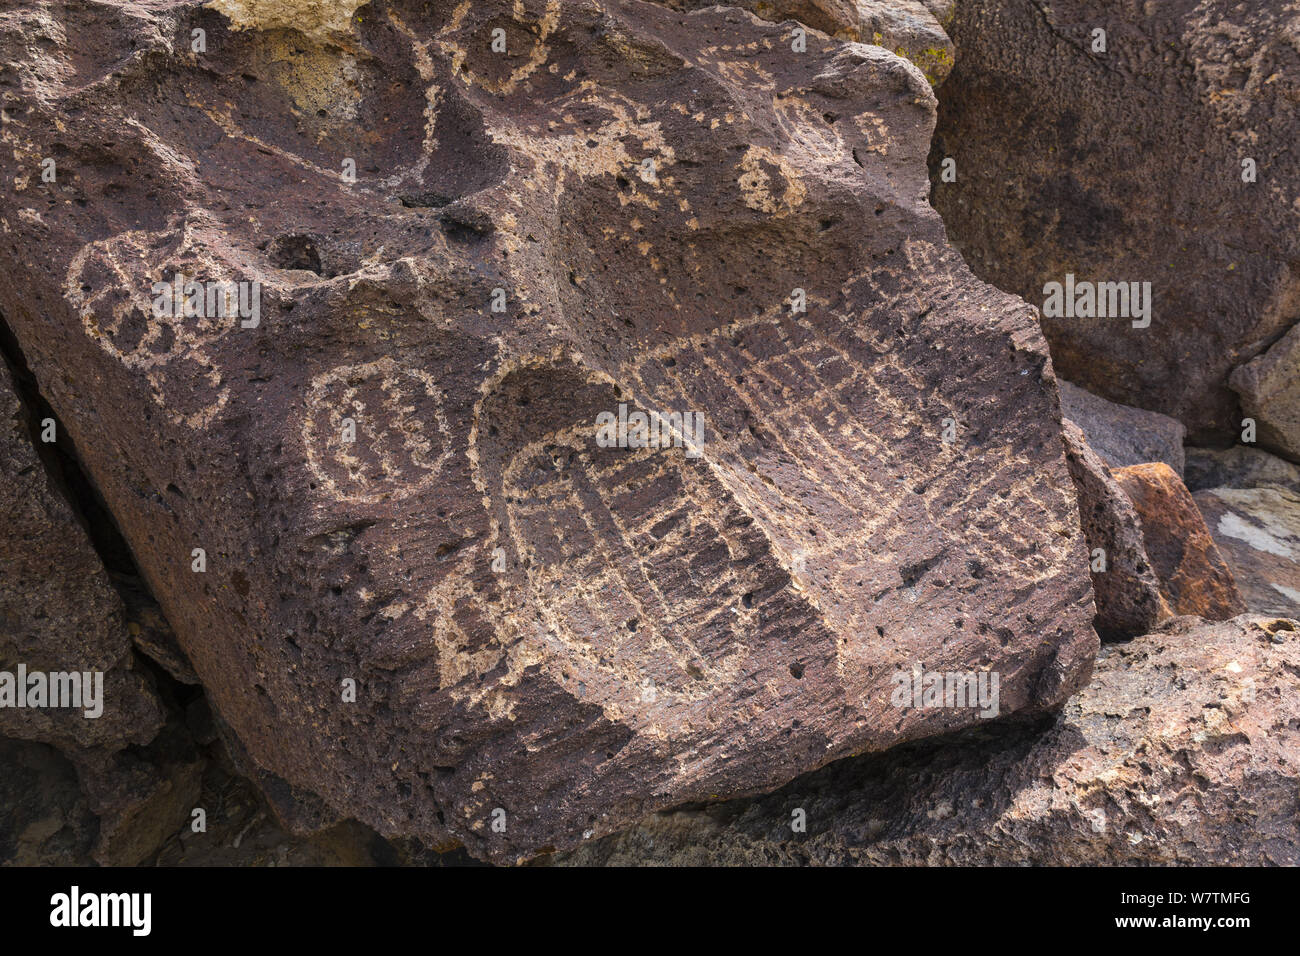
(1269, 386)
(59, 612)
(1129, 164)
(374, 502)
(1184, 749)
(1122, 435)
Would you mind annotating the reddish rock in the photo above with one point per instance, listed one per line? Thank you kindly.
(1194, 579)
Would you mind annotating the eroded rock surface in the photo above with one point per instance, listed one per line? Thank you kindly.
(545, 634)
(1122, 435)
(1128, 165)
(910, 28)
(1257, 530)
(58, 610)
(1239, 467)
(1269, 386)
(1124, 584)
(1194, 578)
(1184, 749)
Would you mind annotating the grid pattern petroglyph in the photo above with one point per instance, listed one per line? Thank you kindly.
(635, 560)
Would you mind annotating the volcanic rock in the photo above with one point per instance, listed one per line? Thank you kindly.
(1194, 579)
(1122, 435)
(1161, 152)
(1124, 585)
(1257, 530)
(364, 481)
(1269, 386)
(910, 28)
(59, 612)
(1239, 467)
(1184, 749)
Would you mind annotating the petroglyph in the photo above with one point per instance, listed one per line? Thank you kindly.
(399, 439)
(402, 461)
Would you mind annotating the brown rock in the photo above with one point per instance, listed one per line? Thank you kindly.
(58, 610)
(1184, 749)
(909, 28)
(1194, 579)
(545, 634)
(1257, 530)
(1122, 435)
(1239, 467)
(1269, 386)
(1127, 166)
(1127, 592)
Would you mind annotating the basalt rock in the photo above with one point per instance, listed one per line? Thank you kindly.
(1269, 386)
(910, 28)
(1122, 435)
(1184, 749)
(1239, 467)
(1124, 585)
(1257, 530)
(369, 492)
(1194, 578)
(59, 613)
(1127, 158)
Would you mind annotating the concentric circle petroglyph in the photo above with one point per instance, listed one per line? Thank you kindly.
(375, 432)
(110, 285)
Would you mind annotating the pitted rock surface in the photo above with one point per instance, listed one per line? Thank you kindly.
(545, 634)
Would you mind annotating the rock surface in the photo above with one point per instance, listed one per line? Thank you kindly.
(911, 28)
(1127, 166)
(1269, 386)
(58, 610)
(1184, 749)
(1239, 467)
(1124, 584)
(1257, 530)
(1194, 578)
(654, 194)
(1122, 435)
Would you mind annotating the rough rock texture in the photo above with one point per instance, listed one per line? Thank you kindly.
(1257, 530)
(911, 28)
(114, 788)
(1269, 386)
(58, 609)
(1239, 467)
(1194, 579)
(44, 817)
(1122, 435)
(1127, 592)
(1184, 749)
(1127, 166)
(647, 188)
